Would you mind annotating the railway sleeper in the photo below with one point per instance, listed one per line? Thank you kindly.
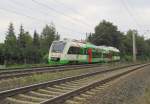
(67, 88)
(85, 95)
(11, 100)
(79, 99)
(72, 102)
(37, 94)
(29, 98)
(52, 93)
(56, 89)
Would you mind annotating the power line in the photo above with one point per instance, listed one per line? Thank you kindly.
(35, 19)
(22, 5)
(133, 15)
(139, 25)
(133, 35)
(133, 9)
(72, 9)
(60, 13)
(29, 8)
(130, 13)
(18, 13)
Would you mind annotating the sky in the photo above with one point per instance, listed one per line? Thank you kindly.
(73, 18)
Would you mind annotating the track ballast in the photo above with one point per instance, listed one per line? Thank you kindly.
(27, 72)
(58, 91)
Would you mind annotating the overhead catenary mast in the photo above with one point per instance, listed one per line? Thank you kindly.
(134, 47)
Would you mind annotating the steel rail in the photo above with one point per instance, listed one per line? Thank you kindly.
(21, 72)
(62, 98)
(12, 92)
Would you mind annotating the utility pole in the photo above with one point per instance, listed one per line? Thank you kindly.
(134, 47)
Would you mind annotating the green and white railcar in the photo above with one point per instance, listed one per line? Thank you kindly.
(111, 54)
(73, 51)
(115, 53)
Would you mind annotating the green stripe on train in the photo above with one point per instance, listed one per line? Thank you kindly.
(59, 62)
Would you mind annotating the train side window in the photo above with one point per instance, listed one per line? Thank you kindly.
(117, 54)
(85, 51)
(81, 51)
(96, 53)
(70, 51)
(74, 50)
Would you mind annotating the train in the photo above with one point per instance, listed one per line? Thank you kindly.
(69, 51)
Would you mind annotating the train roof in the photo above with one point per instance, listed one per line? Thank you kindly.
(113, 49)
(83, 44)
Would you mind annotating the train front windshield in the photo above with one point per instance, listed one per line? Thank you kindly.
(58, 47)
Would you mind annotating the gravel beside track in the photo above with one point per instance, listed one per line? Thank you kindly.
(63, 88)
(129, 89)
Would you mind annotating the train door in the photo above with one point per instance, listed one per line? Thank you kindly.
(90, 55)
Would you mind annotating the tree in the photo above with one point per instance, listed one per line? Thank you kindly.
(142, 47)
(48, 35)
(21, 45)
(21, 41)
(2, 53)
(10, 45)
(36, 39)
(128, 42)
(148, 47)
(36, 57)
(106, 34)
(24, 43)
(28, 48)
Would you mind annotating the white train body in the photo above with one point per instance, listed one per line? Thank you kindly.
(68, 51)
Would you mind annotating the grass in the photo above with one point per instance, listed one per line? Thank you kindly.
(38, 78)
(146, 97)
(21, 66)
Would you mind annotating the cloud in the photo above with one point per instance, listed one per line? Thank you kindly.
(73, 18)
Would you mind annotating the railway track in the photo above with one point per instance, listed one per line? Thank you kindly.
(27, 72)
(58, 91)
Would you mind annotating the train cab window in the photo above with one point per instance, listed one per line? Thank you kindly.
(58, 47)
(74, 50)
